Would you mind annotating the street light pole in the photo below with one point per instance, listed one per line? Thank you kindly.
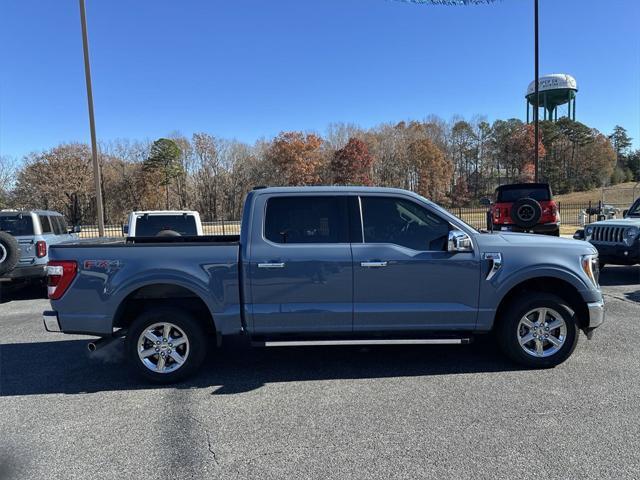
(536, 91)
(92, 123)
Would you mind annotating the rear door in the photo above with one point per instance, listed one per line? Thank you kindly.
(21, 226)
(300, 272)
(404, 277)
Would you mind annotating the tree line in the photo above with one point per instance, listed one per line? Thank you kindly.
(451, 162)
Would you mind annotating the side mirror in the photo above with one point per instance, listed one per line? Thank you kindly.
(459, 242)
(485, 202)
(579, 235)
(624, 213)
(125, 229)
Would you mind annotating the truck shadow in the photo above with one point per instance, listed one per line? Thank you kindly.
(613, 275)
(66, 366)
(26, 291)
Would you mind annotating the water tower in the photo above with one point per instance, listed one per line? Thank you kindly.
(554, 90)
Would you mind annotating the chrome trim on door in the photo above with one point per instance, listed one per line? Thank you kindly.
(373, 264)
(271, 265)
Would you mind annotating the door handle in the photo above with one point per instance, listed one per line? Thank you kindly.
(373, 264)
(271, 265)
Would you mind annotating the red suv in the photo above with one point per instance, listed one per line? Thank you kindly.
(524, 207)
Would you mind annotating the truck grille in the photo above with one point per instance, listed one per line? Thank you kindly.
(608, 234)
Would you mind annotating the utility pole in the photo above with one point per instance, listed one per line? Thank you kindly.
(536, 87)
(92, 124)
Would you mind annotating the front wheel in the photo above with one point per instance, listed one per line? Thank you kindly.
(165, 345)
(538, 330)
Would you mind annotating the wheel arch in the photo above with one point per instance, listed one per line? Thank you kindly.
(559, 287)
(157, 294)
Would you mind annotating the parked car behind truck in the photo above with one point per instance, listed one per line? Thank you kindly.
(317, 265)
(25, 237)
(150, 223)
(617, 240)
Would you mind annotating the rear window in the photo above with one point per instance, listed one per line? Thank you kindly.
(307, 220)
(45, 224)
(58, 224)
(151, 225)
(16, 224)
(514, 193)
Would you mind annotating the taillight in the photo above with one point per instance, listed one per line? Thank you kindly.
(60, 274)
(41, 249)
(496, 212)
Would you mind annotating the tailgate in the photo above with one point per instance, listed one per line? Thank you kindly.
(27, 250)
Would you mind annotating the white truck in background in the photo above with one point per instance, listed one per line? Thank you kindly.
(163, 223)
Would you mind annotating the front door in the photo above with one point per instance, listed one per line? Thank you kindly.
(404, 277)
(301, 272)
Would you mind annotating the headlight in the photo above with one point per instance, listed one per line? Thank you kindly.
(632, 233)
(588, 231)
(590, 267)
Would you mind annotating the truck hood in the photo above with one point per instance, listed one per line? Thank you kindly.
(619, 222)
(493, 241)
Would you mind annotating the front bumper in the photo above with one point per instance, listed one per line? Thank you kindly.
(596, 314)
(619, 254)
(51, 323)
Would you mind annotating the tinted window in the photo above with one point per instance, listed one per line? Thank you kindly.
(57, 225)
(151, 225)
(45, 224)
(307, 220)
(16, 224)
(63, 225)
(634, 211)
(402, 222)
(513, 194)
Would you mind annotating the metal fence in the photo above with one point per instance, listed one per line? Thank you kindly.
(571, 214)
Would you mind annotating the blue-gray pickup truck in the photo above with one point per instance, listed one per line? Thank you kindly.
(327, 265)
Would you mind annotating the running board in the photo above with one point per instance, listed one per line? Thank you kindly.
(397, 341)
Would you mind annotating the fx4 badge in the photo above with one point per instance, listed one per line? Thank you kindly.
(101, 265)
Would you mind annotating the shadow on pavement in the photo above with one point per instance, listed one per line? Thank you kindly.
(67, 367)
(23, 291)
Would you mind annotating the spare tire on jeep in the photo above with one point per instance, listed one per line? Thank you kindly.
(526, 212)
(9, 253)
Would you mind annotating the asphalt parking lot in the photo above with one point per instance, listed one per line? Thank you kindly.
(436, 412)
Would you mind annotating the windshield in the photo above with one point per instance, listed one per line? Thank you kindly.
(151, 225)
(515, 193)
(16, 224)
(634, 211)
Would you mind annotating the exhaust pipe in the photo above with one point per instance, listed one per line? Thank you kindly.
(100, 342)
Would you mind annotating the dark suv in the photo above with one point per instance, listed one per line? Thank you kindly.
(524, 207)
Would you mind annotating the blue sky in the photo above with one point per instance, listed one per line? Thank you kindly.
(252, 68)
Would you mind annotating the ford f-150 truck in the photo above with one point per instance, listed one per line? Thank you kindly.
(327, 265)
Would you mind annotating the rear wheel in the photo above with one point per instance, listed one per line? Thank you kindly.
(165, 345)
(538, 330)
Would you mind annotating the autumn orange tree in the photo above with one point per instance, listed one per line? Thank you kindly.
(351, 165)
(432, 168)
(297, 158)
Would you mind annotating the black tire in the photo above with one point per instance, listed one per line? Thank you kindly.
(9, 253)
(168, 233)
(526, 212)
(507, 330)
(196, 343)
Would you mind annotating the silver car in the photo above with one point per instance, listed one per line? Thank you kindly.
(25, 237)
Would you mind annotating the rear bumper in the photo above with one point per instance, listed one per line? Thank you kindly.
(50, 320)
(540, 228)
(20, 273)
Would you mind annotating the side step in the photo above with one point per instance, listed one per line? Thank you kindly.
(376, 341)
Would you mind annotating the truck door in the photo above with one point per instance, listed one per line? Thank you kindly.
(404, 278)
(301, 272)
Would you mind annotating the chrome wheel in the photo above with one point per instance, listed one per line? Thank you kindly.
(542, 332)
(163, 347)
